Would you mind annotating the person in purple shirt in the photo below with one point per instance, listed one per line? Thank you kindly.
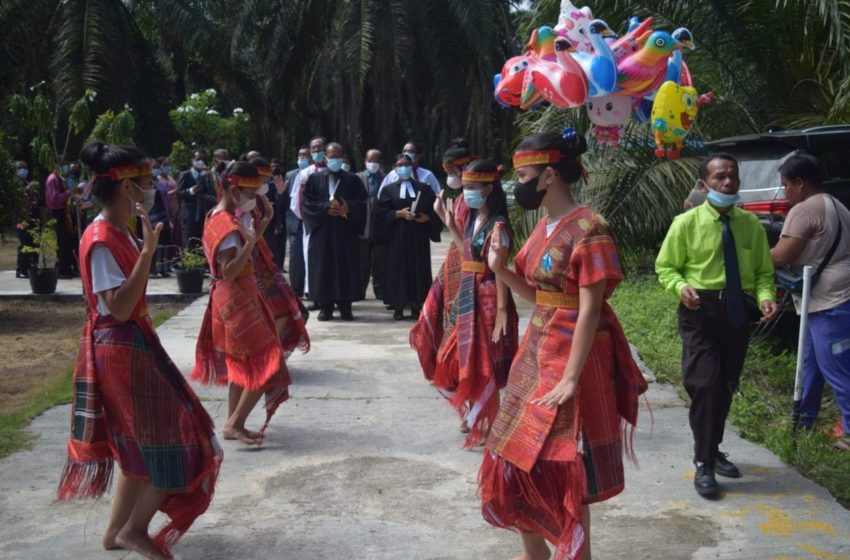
(56, 195)
(32, 216)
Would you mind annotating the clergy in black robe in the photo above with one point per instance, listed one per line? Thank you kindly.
(333, 206)
(407, 238)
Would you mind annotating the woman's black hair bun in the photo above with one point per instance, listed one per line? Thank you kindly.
(573, 144)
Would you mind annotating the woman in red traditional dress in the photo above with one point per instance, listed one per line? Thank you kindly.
(473, 363)
(289, 315)
(238, 344)
(131, 404)
(433, 328)
(558, 440)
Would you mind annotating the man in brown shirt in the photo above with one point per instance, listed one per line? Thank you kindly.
(814, 224)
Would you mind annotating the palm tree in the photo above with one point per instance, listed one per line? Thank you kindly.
(76, 45)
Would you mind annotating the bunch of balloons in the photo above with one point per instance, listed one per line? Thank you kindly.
(580, 61)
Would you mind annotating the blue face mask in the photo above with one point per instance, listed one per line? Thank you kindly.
(157, 172)
(64, 169)
(474, 199)
(166, 169)
(334, 164)
(303, 163)
(318, 157)
(721, 200)
(22, 173)
(404, 171)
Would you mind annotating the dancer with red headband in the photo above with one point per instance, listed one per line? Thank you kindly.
(433, 328)
(289, 314)
(131, 404)
(473, 363)
(571, 401)
(238, 344)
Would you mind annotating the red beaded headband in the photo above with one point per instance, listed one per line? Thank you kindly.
(526, 158)
(246, 182)
(479, 177)
(127, 172)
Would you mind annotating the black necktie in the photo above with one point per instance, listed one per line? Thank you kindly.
(736, 310)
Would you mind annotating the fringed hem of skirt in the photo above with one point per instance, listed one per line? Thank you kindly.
(254, 371)
(546, 501)
(184, 508)
(85, 479)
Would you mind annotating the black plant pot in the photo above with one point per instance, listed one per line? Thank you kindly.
(43, 280)
(190, 281)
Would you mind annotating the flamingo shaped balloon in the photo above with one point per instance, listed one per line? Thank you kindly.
(561, 83)
(601, 66)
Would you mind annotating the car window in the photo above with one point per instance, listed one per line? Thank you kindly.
(759, 172)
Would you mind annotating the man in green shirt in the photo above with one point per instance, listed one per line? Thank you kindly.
(716, 259)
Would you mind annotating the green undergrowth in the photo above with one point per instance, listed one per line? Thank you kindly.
(51, 392)
(761, 411)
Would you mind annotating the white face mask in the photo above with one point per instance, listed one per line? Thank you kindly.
(454, 182)
(199, 164)
(247, 204)
(147, 202)
(373, 167)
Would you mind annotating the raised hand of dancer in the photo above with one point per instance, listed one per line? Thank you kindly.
(268, 214)
(249, 232)
(497, 257)
(150, 234)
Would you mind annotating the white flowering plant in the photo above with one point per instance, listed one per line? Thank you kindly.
(202, 125)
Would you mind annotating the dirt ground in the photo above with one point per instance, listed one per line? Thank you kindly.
(39, 339)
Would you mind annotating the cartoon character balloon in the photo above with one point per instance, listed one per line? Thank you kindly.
(673, 114)
(608, 115)
(573, 25)
(509, 85)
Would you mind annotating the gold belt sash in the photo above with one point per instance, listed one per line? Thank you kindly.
(556, 299)
(247, 269)
(473, 266)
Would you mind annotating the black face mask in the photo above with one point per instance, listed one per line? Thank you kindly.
(526, 194)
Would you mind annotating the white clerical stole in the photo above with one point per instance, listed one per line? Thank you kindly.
(407, 190)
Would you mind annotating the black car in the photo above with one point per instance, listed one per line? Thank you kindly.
(760, 156)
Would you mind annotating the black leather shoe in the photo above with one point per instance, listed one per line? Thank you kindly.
(725, 467)
(704, 481)
(22, 275)
(398, 315)
(347, 316)
(325, 315)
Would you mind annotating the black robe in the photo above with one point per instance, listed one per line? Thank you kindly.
(332, 254)
(407, 276)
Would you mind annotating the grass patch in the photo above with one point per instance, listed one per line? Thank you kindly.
(51, 392)
(761, 411)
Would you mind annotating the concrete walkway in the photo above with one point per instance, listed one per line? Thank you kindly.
(364, 463)
(159, 289)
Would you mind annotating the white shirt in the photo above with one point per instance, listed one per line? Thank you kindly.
(233, 240)
(420, 174)
(105, 272)
(295, 190)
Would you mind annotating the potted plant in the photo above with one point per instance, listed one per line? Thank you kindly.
(190, 265)
(43, 278)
